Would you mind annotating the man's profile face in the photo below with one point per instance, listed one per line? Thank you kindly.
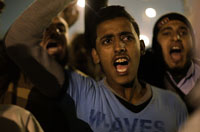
(55, 38)
(117, 50)
(176, 42)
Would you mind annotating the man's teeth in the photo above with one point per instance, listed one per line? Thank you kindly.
(175, 48)
(121, 60)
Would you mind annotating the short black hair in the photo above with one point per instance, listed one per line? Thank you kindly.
(107, 13)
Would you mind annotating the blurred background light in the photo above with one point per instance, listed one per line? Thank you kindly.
(81, 3)
(150, 12)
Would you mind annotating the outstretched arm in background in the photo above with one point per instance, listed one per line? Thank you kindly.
(22, 42)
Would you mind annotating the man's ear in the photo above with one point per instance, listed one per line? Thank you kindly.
(142, 47)
(95, 56)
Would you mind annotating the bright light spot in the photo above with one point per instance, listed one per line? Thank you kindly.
(150, 12)
(146, 40)
(81, 3)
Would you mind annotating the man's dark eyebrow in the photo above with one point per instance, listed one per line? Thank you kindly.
(126, 33)
(184, 27)
(60, 24)
(106, 36)
(166, 28)
(169, 28)
(110, 35)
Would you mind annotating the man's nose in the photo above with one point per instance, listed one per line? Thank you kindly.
(120, 46)
(176, 37)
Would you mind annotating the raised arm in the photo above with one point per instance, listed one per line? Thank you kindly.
(22, 42)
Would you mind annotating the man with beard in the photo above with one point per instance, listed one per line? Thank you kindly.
(170, 58)
(119, 102)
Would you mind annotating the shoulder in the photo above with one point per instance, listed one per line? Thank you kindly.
(21, 117)
(10, 107)
(13, 110)
(164, 93)
(79, 83)
(168, 97)
(15, 113)
(172, 103)
(76, 75)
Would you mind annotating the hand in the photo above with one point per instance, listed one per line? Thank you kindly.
(70, 13)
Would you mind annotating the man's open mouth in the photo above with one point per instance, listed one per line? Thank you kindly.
(175, 49)
(52, 45)
(175, 53)
(121, 64)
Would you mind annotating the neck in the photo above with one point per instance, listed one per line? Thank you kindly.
(134, 92)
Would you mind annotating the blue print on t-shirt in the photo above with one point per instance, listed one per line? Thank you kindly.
(98, 119)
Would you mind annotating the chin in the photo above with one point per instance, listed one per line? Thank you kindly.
(177, 66)
(125, 81)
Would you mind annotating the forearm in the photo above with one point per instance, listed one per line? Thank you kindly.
(22, 42)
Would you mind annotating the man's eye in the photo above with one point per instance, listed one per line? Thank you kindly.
(166, 33)
(183, 33)
(106, 41)
(127, 38)
(61, 29)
